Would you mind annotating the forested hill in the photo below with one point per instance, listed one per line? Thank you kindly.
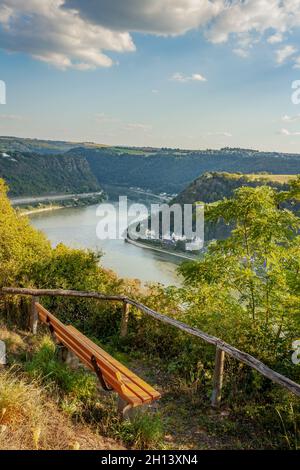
(214, 186)
(30, 174)
(172, 170)
(34, 167)
(19, 144)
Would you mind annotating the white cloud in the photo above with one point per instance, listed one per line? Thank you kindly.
(80, 33)
(297, 63)
(255, 16)
(286, 132)
(166, 17)
(58, 36)
(195, 77)
(287, 118)
(241, 52)
(220, 134)
(198, 77)
(284, 53)
(275, 38)
(132, 126)
(223, 17)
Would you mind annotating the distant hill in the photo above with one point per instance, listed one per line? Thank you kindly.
(31, 174)
(214, 186)
(41, 146)
(158, 170)
(172, 170)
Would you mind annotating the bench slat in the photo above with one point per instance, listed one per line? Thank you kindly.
(128, 385)
(127, 376)
(110, 378)
(79, 348)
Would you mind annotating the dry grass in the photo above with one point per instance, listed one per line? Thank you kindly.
(30, 420)
(30, 417)
(44, 404)
(13, 340)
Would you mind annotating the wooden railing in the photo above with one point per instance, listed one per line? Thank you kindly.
(221, 346)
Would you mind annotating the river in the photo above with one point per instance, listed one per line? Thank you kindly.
(76, 227)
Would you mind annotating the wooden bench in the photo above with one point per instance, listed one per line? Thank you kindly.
(112, 375)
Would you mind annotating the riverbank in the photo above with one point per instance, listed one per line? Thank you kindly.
(34, 205)
(160, 250)
(37, 210)
(137, 194)
(76, 227)
(89, 197)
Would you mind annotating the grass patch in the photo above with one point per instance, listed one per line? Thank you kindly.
(145, 430)
(78, 384)
(79, 397)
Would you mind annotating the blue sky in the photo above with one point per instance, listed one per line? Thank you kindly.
(212, 76)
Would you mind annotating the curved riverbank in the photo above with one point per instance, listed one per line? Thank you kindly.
(76, 227)
(160, 250)
(40, 209)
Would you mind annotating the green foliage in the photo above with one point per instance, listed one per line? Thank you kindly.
(47, 166)
(215, 186)
(21, 246)
(143, 431)
(44, 364)
(31, 174)
(171, 170)
(246, 288)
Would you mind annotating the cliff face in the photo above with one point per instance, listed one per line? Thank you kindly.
(36, 174)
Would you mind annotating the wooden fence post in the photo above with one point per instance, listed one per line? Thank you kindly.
(218, 378)
(124, 321)
(34, 317)
(2, 354)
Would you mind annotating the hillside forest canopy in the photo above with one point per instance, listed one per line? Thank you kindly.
(36, 167)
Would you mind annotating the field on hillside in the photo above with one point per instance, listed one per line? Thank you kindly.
(270, 177)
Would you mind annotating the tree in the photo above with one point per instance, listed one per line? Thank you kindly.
(21, 246)
(249, 282)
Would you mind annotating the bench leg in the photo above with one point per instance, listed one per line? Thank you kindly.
(66, 356)
(124, 408)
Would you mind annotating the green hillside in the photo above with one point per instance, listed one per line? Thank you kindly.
(156, 169)
(30, 174)
(20, 144)
(213, 186)
(171, 170)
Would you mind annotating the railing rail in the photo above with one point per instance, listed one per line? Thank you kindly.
(221, 346)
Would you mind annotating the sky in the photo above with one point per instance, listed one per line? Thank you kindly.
(192, 74)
